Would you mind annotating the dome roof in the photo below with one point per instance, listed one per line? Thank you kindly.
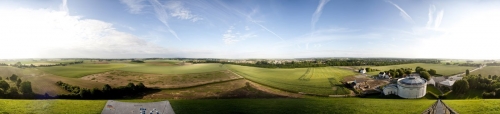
(413, 80)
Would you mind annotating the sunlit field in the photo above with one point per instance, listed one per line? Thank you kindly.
(489, 70)
(321, 80)
(228, 106)
(483, 106)
(441, 69)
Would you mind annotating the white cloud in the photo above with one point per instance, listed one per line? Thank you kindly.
(437, 21)
(135, 6)
(247, 28)
(178, 10)
(230, 37)
(64, 6)
(403, 13)
(317, 13)
(30, 33)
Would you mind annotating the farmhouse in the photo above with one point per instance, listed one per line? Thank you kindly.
(412, 86)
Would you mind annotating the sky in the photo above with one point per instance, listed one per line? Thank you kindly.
(239, 29)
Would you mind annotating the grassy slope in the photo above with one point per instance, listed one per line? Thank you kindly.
(288, 79)
(489, 70)
(195, 68)
(484, 106)
(80, 70)
(433, 89)
(226, 106)
(440, 68)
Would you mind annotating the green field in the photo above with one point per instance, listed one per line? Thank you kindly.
(195, 68)
(483, 106)
(80, 70)
(316, 80)
(488, 70)
(441, 69)
(433, 90)
(231, 106)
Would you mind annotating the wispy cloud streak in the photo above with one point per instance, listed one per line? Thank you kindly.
(265, 28)
(135, 6)
(64, 6)
(162, 15)
(437, 20)
(403, 13)
(317, 13)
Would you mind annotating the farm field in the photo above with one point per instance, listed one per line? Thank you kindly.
(43, 82)
(488, 70)
(122, 78)
(227, 106)
(441, 69)
(482, 106)
(181, 69)
(80, 70)
(320, 81)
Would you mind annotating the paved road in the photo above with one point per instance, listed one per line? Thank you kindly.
(440, 108)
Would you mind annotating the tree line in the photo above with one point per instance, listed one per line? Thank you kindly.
(490, 85)
(107, 92)
(21, 90)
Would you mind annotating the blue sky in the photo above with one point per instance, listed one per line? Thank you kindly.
(250, 28)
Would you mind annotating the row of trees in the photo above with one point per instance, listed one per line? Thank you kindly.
(401, 72)
(21, 90)
(107, 92)
(490, 86)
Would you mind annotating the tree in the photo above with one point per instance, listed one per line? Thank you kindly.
(96, 93)
(489, 76)
(367, 69)
(432, 72)
(4, 85)
(13, 92)
(106, 88)
(0, 78)
(25, 87)
(495, 77)
(408, 72)
(140, 86)
(467, 72)
(425, 75)
(84, 93)
(13, 77)
(460, 86)
(18, 83)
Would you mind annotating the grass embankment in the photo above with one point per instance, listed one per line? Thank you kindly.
(441, 69)
(231, 106)
(483, 106)
(317, 80)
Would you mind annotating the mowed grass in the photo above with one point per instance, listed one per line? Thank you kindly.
(316, 81)
(51, 106)
(184, 69)
(483, 106)
(80, 70)
(231, 106)
(433, 90)
(488, 70)
(441, 69)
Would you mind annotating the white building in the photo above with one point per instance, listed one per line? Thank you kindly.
(410, 87)
(383, 75)
(362, 71)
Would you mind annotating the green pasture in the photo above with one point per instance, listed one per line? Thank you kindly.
(308, 80)
(479, 106)
(488, 70)
(80, 70)
(185, 69)
(231, 106)
(441, 69)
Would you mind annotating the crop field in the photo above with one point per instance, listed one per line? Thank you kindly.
(43, 82)
(80, 70)
(122, 78)
(482, 106)
(321, 81)
(441, 69)
(230, 106)
(488, 70)
(183, 69)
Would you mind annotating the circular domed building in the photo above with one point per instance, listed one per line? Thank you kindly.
(412, 86)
